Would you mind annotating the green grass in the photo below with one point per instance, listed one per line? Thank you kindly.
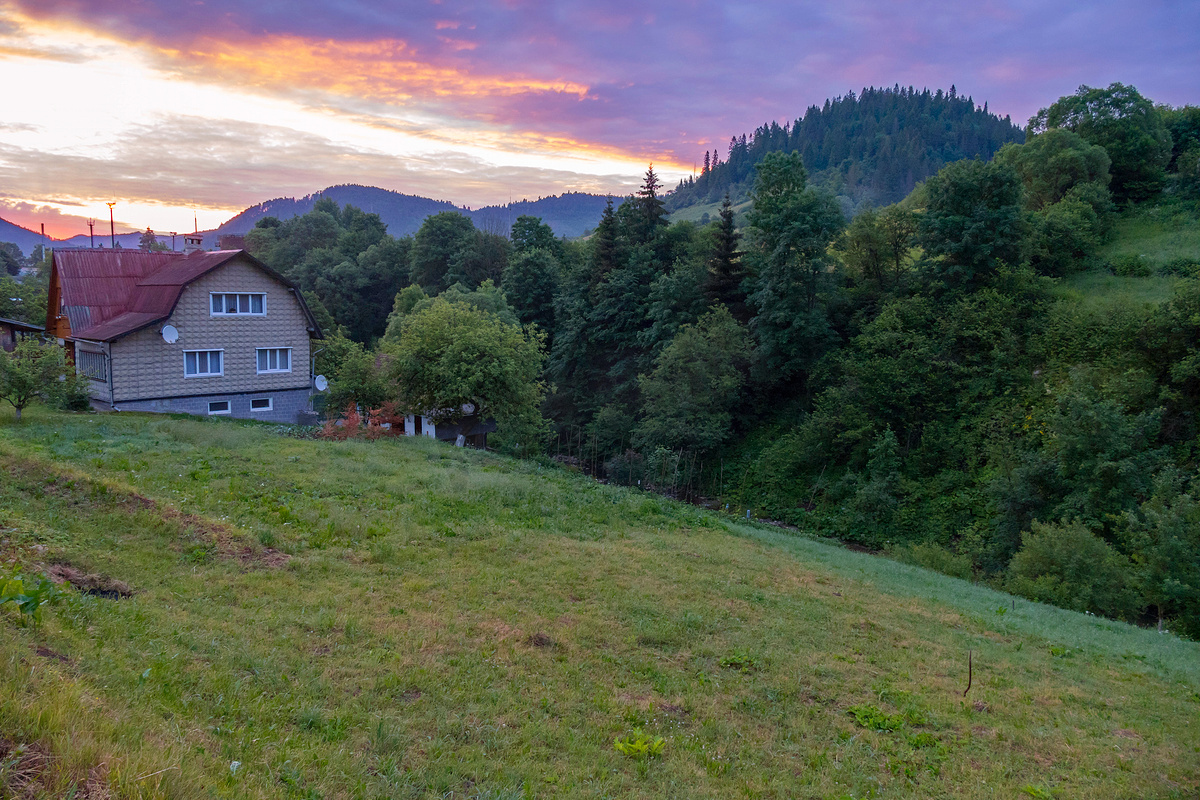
(1101, 289)
(404, 619)
(1159, 233)
(713, 210)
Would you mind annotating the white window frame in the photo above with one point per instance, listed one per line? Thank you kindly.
(228, 408)
(220, 374)
(258, 350)
(249, 304)
(270, 404)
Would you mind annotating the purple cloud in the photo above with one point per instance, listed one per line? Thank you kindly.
(674, 78)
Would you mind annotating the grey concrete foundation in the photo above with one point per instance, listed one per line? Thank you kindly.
(286, 406)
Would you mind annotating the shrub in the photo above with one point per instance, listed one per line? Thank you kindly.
(1183, 267)
(1131, 266)
(936, 558)
(1069, 566)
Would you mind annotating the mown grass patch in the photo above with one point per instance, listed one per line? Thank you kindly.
(445, 623)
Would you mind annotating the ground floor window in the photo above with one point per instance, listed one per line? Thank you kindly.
(260, 404)
(274, 359)
(218, 407)
(202, 363)
(92, 365)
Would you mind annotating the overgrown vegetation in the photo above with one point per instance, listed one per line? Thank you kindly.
(402, 618)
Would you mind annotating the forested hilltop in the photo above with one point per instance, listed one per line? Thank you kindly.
(871, 148)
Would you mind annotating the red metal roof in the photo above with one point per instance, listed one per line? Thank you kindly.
(108, 294)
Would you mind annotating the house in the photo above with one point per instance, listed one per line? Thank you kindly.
(211, 333)
(13, 331)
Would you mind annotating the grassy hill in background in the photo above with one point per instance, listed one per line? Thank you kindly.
(405, 619)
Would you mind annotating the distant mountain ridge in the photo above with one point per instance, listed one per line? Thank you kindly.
(571, 214)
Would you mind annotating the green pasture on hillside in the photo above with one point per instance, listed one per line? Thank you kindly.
(403, 619)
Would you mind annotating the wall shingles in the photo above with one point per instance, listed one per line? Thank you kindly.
(145, 366)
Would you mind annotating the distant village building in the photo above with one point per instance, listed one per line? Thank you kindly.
(209, 333)
(13, 331)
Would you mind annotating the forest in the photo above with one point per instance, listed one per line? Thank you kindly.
(868, 149)
(918, 378)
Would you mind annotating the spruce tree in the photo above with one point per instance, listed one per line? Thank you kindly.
(725, 273)
(604, 250)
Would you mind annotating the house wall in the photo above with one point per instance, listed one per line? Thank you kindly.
(147, 370)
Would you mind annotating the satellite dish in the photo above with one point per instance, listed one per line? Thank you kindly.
(321, 383)
(468, 408)
(170, 334)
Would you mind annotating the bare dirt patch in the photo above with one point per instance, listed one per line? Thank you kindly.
(46, 652)
(267, 558)
(89, 583)
(540, 639)
(27, 774)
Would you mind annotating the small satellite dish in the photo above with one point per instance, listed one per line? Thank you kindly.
(321, 383)
(468, 408)
(170, 334)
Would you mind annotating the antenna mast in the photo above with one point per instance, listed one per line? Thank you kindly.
(112, 228)
(92, 232)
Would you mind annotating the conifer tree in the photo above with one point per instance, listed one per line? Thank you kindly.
(652, 215)
(604, 251)
(725, 273)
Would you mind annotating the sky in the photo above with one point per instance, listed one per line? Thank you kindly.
(185, 112)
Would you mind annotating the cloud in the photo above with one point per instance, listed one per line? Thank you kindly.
(657, 85)
(221, 164)
(526, 78)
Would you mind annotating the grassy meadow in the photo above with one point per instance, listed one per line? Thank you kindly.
(403, 619)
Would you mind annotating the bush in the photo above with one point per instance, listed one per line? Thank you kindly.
(1067, 565)
(1131, 266)
(1183, 267)
(73, 394)
(936, 558)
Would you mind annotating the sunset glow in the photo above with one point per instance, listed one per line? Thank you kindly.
(186, 114)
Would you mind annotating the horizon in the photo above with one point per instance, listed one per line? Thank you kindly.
(210, 109)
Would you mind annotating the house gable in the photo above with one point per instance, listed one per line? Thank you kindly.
(146, 367)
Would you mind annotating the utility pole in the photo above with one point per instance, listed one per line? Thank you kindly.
(92, 232)
(172, 241)
(112, 228)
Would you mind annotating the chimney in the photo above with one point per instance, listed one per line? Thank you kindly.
(192, 242)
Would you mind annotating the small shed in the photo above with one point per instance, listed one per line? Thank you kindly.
(13, 331)
(471, 428)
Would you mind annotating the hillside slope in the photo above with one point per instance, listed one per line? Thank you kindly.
(404, 619)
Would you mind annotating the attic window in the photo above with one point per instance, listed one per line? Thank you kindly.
(229, 304)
